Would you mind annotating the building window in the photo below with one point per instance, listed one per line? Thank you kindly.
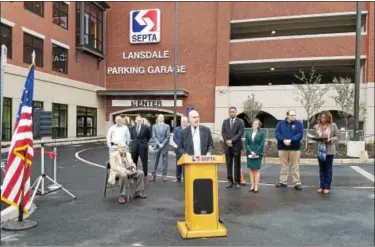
(31, 43)
(59, 120)
(6, 38)
(37, 105)
(35, 7)
(86, 121)
(7, 119)
(60, 14)
(92, 25)
(59, 59)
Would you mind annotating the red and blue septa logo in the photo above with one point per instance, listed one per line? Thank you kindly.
(145, 26)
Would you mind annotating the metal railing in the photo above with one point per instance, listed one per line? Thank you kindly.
(345, 135)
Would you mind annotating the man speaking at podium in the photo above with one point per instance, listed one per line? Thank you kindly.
(197, 139)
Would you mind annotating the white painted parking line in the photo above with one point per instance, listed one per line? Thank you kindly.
(220, 181)
(85, 161)
(363, 172)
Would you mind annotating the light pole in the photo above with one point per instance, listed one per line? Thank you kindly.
(357, 71)
(175, 65)
(3, 63)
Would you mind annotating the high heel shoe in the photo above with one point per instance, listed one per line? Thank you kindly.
(251, 189)
(255, 190)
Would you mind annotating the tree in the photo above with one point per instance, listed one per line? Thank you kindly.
(310, 93)
(344, 99)
(251, 107)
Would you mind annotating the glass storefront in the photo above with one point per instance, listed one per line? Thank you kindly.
(59, 120)
(86, 121)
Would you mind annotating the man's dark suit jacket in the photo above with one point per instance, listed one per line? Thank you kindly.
(235, 134)
(143, 137)
(186, 145)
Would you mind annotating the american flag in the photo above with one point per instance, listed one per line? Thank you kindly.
(21, 145)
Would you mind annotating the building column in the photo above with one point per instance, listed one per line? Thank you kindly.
(222, 66)
(72, 121)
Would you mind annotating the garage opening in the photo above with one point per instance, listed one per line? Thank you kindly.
(283, 73)
(149, 117)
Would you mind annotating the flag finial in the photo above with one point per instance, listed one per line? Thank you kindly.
(33, 57)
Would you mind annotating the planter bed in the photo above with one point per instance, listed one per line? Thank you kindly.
(270, 150)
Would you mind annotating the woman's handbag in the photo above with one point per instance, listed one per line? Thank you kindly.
(322, 152)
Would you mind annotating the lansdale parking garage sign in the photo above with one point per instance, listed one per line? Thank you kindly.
(152, 69)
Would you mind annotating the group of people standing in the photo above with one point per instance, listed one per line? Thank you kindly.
(194, 139)
(289, 134)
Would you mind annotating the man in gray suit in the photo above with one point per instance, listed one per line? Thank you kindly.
(195, 139)
(161, 134)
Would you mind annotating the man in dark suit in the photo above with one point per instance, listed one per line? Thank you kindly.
(140, 136)
(232, 131)
(195, 139)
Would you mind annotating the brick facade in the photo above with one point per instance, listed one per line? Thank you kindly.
(197, 49)
(84, 68)
(370, 69)
(204, 45)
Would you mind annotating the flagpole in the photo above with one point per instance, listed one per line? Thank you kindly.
(21, 206)
(175, 67)
(21, 224)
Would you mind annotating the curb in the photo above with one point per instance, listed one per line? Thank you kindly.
(276, 161)
(11, 213)
(62, 143)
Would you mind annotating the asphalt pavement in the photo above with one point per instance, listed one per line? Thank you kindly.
(272, 217)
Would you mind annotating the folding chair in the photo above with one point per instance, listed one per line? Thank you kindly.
(116, 185)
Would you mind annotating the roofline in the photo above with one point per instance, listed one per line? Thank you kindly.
(124, 92)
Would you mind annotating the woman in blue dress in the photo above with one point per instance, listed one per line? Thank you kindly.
(254, 153)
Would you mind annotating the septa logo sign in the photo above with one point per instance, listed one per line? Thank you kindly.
(145, 26)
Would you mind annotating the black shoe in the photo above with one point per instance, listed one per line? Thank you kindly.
(229, 185)
(281, 185)
(298, 187)
(177, 180)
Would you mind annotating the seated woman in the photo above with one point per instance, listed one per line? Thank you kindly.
(123, 166)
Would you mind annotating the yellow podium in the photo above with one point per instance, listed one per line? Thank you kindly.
(201, 197)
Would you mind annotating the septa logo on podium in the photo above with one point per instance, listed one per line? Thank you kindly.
(144, 26)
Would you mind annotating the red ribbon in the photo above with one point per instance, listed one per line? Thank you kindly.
(50, 154)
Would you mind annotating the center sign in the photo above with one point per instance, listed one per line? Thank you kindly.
(145, 26)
